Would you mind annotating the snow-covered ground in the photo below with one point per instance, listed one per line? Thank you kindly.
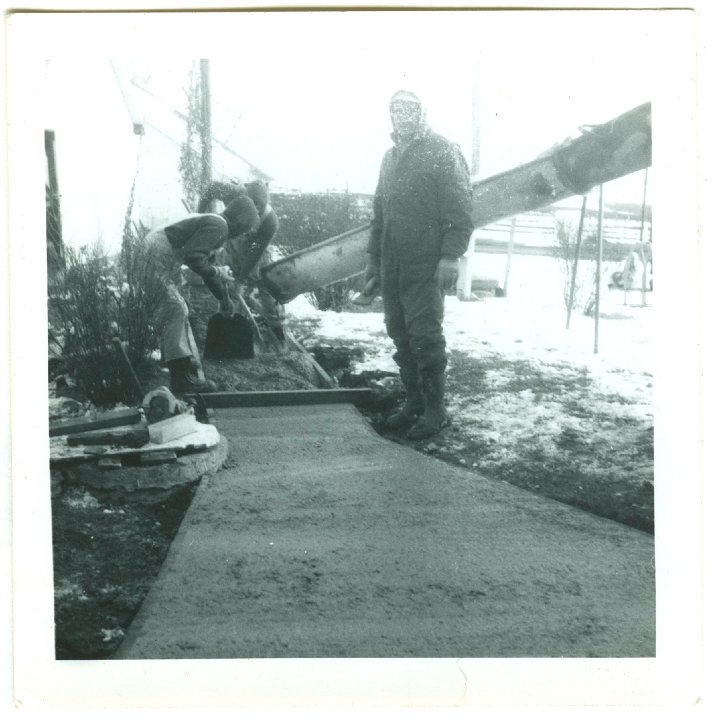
(520, 329)
(522, 338)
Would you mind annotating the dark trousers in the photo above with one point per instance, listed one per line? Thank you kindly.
(413, 306)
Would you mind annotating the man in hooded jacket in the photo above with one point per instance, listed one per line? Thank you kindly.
(422, 222)
(248, 253)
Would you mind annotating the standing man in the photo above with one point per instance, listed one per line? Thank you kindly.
(193, 242)
(422, 224)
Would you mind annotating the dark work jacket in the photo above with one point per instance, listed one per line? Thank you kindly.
(252, 245)
(246, 250)
(195, 241)
(423, 202)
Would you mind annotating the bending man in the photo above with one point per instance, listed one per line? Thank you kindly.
(193, 242)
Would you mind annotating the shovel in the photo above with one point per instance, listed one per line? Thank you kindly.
(250, 316)
(229, 338)
(232, 338)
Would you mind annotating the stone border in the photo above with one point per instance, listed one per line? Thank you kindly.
(186, 469)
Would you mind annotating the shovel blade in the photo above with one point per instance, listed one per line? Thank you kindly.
(229, 338)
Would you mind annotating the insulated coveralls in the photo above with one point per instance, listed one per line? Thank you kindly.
(422, 212)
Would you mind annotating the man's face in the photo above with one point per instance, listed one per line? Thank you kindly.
(405, 117)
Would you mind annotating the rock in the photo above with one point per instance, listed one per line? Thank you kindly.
(61, 407)
(185, 470)
(65, 387)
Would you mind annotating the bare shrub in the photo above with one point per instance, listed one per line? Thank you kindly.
(337, 295)
(584, 282)
(141, 291)
(101, 298)
(83, 309)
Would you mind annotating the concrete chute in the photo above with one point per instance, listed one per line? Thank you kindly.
(600, 154)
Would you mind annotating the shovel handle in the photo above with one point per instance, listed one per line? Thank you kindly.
(250, 317)
(129, 366)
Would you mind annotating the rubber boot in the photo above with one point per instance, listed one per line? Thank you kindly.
(280, 337)
(435, 417)
(183, 379)
(414, 402)
(279, 334)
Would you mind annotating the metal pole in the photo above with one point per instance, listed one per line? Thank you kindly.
(599, 262)
(510, 250)
(206, 124)
(642, 240)
(574, 270)
(476, 124)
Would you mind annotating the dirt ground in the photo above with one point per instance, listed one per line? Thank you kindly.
(107, 550)
(106, 554)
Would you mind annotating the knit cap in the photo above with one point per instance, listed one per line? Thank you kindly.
(241, 215)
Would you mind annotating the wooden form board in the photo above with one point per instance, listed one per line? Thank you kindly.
(114, 418)
(286, 397)
(324, 378)
(205, 437)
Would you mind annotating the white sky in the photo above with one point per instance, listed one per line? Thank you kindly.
(304, 95)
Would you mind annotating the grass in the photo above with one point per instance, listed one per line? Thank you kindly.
(549, 430)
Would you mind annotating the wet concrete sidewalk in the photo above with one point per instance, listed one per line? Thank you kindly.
(321, 539)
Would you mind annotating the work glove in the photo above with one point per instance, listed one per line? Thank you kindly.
(223, 273)
(372, 272)
(446, 274)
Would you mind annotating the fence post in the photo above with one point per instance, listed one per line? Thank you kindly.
(510, 251)
(642, 240)
(464, 275)
(599, 262)
(574, 270)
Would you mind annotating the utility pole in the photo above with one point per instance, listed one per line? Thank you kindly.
(643, 251)
(464, 279)
(599, 263)
(206, 132)
(476, 120)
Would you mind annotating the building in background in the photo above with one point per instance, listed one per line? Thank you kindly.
(111, 137)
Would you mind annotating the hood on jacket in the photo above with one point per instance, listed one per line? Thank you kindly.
(241, 216)
(258, 192)
(408, 116)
